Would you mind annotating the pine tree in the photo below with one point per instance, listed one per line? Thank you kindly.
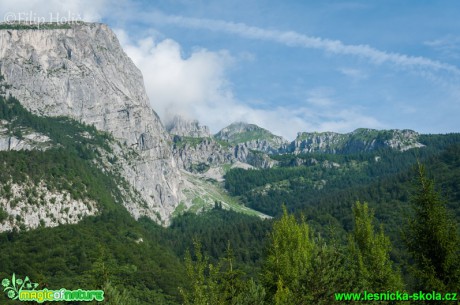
(330, 272)
(219, 283)
(288, 260)
(113, 296)
(300, 269)
(370, 251)
(203, 279)
(432, 239)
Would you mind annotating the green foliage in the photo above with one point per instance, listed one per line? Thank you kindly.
(60, 170)
(93, 252)
(433, 239)
(363, 175)
(113, 296)
(330, 271)
(250, 132)
(217, 227)
(199, 168)
(68, 166)
(203, 276)
(299, 186)
(301, 270)
(3, 214)
(386, 184)
(180, 142)
(32, 26)
(289, 258)
(218, 283)
(298, 269)
(76, 137)
(370, 251)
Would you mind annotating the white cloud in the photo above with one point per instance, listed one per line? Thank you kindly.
(197, 88)
(354, 74)
(447, 46)
(320, 97)
(179, 85)
(294, 39)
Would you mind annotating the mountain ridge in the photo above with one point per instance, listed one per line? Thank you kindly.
(81, 71)
(361, 139)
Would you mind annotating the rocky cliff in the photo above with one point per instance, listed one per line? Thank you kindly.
(196, 150)
(359, 140)
(22, 140)
(199, 154)
(187, 128)
(82, 72)
(251, 136)
(251, 144)
(363, 139)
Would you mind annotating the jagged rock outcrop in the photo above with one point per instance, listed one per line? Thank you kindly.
(357, 141)
(198, 154)
(83, 73)
(46, 208)
(252, 136)
(187, 128)
(26, 140)
(196, 150)
(250, 144)
(190, 153)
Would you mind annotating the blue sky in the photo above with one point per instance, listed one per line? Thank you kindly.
(290, 66)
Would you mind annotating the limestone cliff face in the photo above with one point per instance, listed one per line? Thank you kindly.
(83, 73)
(195, 149)
(187, 128)
(360, 140)
(252, 137)
(198, 154)
(28, 140)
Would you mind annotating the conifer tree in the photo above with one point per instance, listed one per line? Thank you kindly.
(288, 260)
(220, 283)
(370, 251)
(203, 279)
(113, 296)
(432, 239)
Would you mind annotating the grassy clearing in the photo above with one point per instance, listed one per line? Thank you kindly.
(204, 193)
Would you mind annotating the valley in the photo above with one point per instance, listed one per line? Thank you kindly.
(97, 192)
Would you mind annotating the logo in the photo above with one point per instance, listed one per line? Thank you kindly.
(24, 290)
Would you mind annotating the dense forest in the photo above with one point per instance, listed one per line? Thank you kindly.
(376, 222)
(300, 267)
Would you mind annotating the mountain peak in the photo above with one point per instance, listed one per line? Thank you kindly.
(79, 70)
(359, 140)
(251, 135)
(241, 132)
(187, 128)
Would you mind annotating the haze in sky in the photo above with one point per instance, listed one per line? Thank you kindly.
(287, 66)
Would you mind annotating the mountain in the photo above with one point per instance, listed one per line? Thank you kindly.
(242, 143)
(187, 128)
(360, 140)
(197, 151)
(80, 71)
(256, 138)
(251, 136)
(201, 154)
(96, 192)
